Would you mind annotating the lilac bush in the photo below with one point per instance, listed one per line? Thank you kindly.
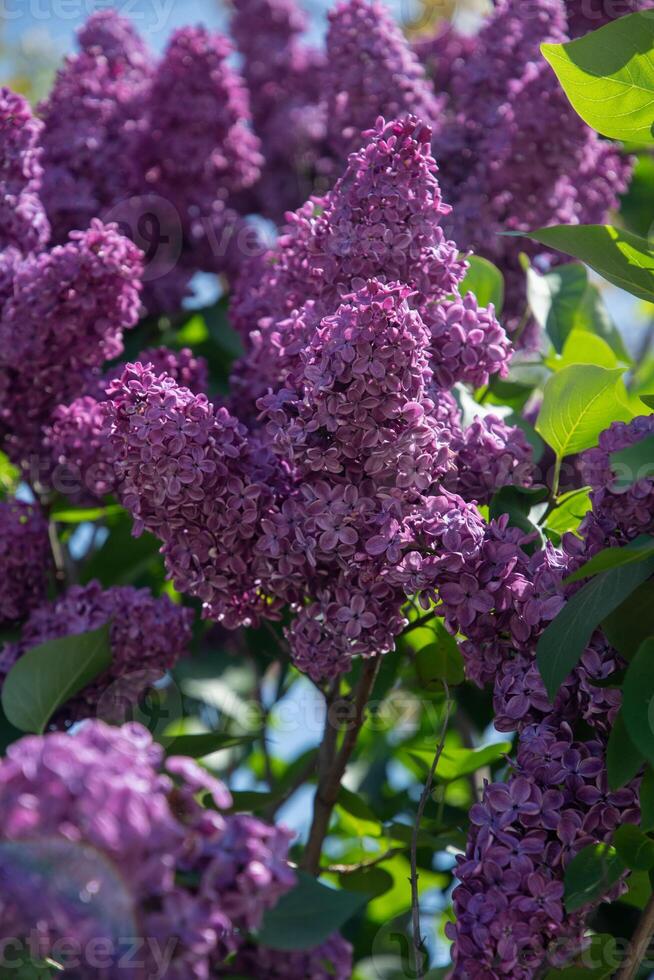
(331, 521)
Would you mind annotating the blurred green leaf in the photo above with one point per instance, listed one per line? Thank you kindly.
(47, 676)
(439, 661)
(455, 763)
(633, 463)
(579, 402)
(582, 347)
(9, 476)
(307, 915)
(80, 515)
(593, 317)
(201, 745)
(647, 801)
(367, 881)
(554, 298)
(486, 282)
(356, 816)
(609, 78)
(590, 874)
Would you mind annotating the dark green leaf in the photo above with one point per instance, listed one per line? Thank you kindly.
(640, 549)
(579, 402)
(592, 316)
(565, 639)
(647, 801)
(632, 622)
(638, 700)
(371, 882)
(634, 847)
(554, 299)
(47, 676)
(455, 763)
(198, 746)
(486, 282)
(517, 503)
(648, 400)
(590, 874)
(308, 915)
(609, 78)
(623, 760)
(616, 254)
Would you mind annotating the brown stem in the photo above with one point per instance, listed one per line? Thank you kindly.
(639, 943)
(334, 761)
(426, 793)
(348, 869)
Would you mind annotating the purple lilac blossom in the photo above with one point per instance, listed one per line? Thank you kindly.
(63, 314)
(148, 636)
(23, 223)
(284, 77)
(25, 558)
(372, 72)
(332, 960)
(92, 117)
(198, 875)
(382, 220)
(489, 455)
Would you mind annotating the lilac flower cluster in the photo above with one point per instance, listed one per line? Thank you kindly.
(91, 123)
(372, 72)
(510, 916)
(496, 170)
(284, 77)
(23, 223)
(382, 220)
(316, 506)
(76, 442)
(332, 960)
(62, 314)
(147, 637)
(489, 455)
(25, 558)
(108, 797)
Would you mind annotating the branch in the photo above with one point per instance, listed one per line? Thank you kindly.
(348, 869)
(334, 761)
(426, 793)
(639, 943)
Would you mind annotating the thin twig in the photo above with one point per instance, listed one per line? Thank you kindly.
(639, 944)
(348, 869)
(417, 623)
(334, 762)
(426, 793)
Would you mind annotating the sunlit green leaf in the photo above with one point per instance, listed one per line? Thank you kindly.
(486, 282)
(590, 874)
(554, 298)
(609, 77)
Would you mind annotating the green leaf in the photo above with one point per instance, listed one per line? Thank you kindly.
(623, 258)
(648, 400)
(602, 951)
(9, 476)
(609, 77)
(633, 463)
(554, 299)
(593, 317)
(635, 849)
(565, 639)
(638, 700)
(455, 763)
(640, 549)
(582, 347)
(590, 874)
(356, 815)
(439, 661)
(206, 743)
(307, 915)
(578, 403)
(47, 676)
(367, 881)
(486, 282)
(632, 622)
(623, 760)
(78, 515)
(517, 503)
(647, 801)
(573, 507)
